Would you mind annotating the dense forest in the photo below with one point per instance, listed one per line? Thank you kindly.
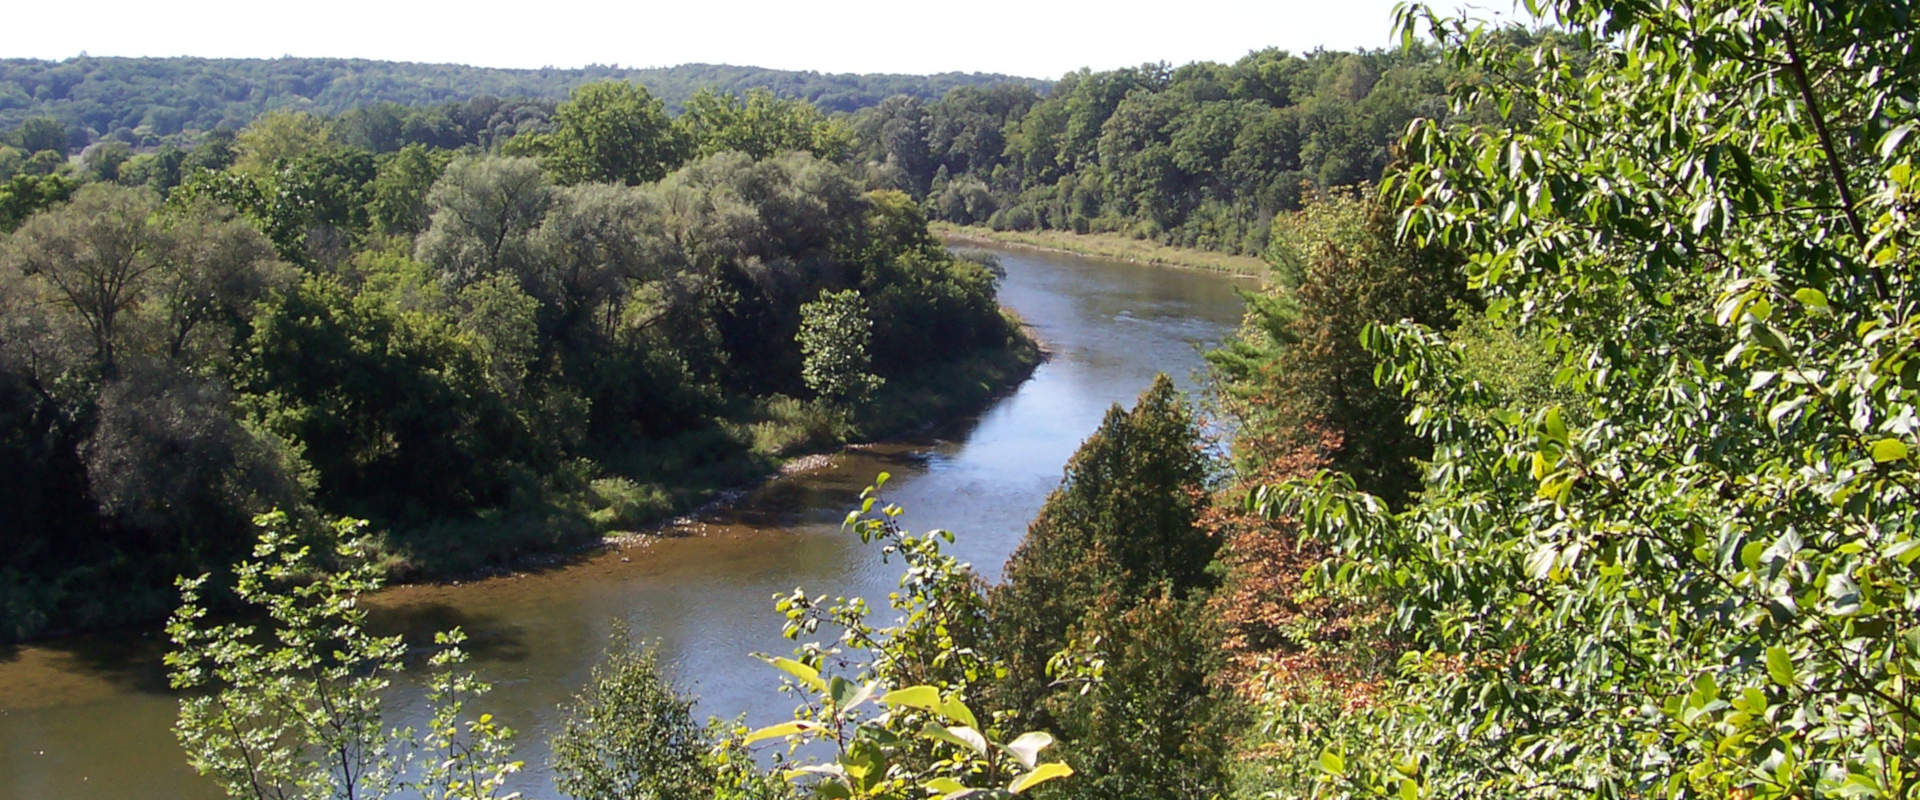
(1576, 457)
(1204, 155)
(145, 101)
(582, 334)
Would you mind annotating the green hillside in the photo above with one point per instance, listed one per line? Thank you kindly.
(144, 98)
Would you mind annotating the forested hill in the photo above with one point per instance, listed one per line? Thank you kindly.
(142, 97)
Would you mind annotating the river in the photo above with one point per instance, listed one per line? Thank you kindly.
(90, 717)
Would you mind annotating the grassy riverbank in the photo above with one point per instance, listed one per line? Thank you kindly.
(1104, 245)
(653, 482)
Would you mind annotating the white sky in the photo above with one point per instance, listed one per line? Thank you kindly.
(1020, 37)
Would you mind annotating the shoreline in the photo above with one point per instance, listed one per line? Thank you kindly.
(1113, 247)
(1014, 366)
(795, 464)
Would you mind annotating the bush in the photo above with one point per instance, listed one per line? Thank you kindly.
(628, 735)
(621, 504)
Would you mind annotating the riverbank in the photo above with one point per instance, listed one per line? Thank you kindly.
(1104, 245)
(652, 487)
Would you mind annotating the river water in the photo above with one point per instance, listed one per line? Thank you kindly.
(89, 717)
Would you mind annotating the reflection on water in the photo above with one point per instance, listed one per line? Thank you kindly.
(90, 717)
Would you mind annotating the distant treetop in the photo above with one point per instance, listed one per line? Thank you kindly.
(151, 98)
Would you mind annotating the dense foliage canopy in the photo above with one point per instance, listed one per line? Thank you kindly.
(578, 342)
(1202, 155)
(145, 100)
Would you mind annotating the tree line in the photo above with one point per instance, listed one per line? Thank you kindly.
(145, 102)
(1204, 155)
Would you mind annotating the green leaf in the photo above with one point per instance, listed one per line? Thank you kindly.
(957, 734)
(1768, 338)
(1703, 214)
(1779, 666)
(925, 698)
(801, 672)
(859, 695)
(1540, 561)
(1039, 775)
(1811, 298)
(1890, 143)
(1781, 410)
(1333, 763)
(781, 729)
(1887, 450)
(957, 711)
(945, 786)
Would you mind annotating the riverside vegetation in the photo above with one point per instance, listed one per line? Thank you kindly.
(580, 339)
(1575, 459)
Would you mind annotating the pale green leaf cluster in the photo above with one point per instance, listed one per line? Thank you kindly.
(290, 706)
(889, 700)
(836, 337)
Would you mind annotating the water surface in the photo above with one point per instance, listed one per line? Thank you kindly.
(89, 717)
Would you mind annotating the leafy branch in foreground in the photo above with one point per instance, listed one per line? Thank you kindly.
(289, 707)
(890, 700)
(1691, 571)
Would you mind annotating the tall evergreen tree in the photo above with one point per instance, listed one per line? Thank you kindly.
(1111, 573)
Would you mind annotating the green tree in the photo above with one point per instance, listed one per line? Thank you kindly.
(324, 191)
(920, 670)
(104, 160)
(397, 198)
(98, 255)
(1142, 718)
(834, 338)
(296, 712)
(1695, 578)
(45, 163)
(483, 213)
(1297, 372)
(139, 280)
(1123, 519)
(277, 137)
(214, 152)
(611, 132)
(24, 195)
(41, 133)
(159, 171)
(372, 390)
(12, 161)
(628, 735)
(762, 126)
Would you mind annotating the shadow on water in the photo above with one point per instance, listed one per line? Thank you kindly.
(490, 637)
(80, 669)
(819, 495)
(127, 659)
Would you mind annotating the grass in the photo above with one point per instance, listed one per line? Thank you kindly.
(1118, 247)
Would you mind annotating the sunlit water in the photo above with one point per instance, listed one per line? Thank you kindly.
(89, 717)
